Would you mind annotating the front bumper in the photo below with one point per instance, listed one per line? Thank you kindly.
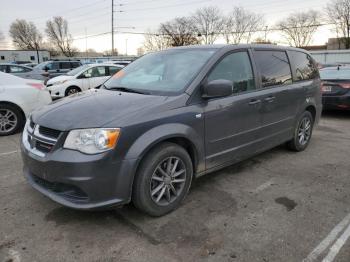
(80, 181)
(336, 102)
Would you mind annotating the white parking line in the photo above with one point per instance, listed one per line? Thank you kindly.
(8, 153)
(332, 236)
(264, 186)
(334, 250)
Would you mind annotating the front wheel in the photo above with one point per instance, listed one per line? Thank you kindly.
(163, 179)
(302, 132)
(11, 119)
(72, 90)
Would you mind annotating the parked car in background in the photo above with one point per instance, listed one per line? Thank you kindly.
(17, 70)
(168, 117)
(51, 69)
(30, 64)
(336, 87)
(121, 63)
(80, 79)
(18, 98)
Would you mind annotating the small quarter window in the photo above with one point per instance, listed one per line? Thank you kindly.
(304, 66)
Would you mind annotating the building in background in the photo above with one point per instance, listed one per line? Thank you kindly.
(28, 56)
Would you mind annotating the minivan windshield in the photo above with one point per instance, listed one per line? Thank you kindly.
(161, 73)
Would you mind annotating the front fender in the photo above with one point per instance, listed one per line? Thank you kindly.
(163, 132)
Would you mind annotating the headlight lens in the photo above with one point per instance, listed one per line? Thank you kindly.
(92, 141)
(59, 82)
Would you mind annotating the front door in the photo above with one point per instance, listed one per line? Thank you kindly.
(232, 123)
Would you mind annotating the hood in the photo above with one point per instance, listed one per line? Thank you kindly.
(59, 78)
(95, 108)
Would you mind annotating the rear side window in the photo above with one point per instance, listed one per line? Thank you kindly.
(18, 69)
(75, 64)
(3, 68)
(65, 65)
(113, 70)
(274, 68)
(237, 68)
(303, 66)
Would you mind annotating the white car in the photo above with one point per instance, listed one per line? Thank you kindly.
(80, 79)
(18, 98)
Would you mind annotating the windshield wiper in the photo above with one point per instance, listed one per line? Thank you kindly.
(126, 89)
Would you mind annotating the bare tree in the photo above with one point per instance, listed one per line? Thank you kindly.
(299, 28)
(180, 31)
(58, 34)
(338, 13)
(240, 25)
(156, 41)
(209, 23)
(25, 35)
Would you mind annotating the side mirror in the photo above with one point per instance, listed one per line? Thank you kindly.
(87, 75)
(217, 88)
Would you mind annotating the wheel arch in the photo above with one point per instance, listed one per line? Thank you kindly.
(15, 105)
(312, 110)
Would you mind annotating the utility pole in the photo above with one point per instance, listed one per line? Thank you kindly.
(112, 27)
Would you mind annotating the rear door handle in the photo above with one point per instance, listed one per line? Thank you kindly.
(269, 99)
(254, 102)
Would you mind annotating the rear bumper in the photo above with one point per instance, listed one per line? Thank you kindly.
(80, 181)
(336, 102)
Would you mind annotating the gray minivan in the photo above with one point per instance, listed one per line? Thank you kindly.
(167, 118)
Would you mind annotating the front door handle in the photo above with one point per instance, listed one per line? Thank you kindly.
(269, 99)
(254, 102)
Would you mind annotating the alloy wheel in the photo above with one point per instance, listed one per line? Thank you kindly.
(304, 131)
(72, 91)
(168, 181)
(8, 120)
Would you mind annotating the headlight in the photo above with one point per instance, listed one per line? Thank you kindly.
(92, 141)
(59, 82)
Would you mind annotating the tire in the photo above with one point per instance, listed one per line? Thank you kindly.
(149, 178)
(72, 90)
(11, 119)
(298, 143)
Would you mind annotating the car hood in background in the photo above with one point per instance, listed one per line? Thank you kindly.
(96, 108)
(59, 78)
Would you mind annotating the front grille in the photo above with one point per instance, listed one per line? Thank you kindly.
(41, 139)
(43, 147)
(52, 133)
(31, 124)
(67, 191)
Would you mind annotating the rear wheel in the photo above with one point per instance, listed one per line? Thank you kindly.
(72, 90)
(163, 179)
(302, 132)
(11, 119)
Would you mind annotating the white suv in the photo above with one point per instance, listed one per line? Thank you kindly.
(80, 79)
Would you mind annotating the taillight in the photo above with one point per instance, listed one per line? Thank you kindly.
(36, 85)
(345, 85)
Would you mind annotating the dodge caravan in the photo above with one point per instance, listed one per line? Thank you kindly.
(167, 118)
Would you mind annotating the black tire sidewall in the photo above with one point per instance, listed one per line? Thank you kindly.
(19, 115)
(71, 88)
(141, 192)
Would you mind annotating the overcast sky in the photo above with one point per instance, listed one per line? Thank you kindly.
(90, 17)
